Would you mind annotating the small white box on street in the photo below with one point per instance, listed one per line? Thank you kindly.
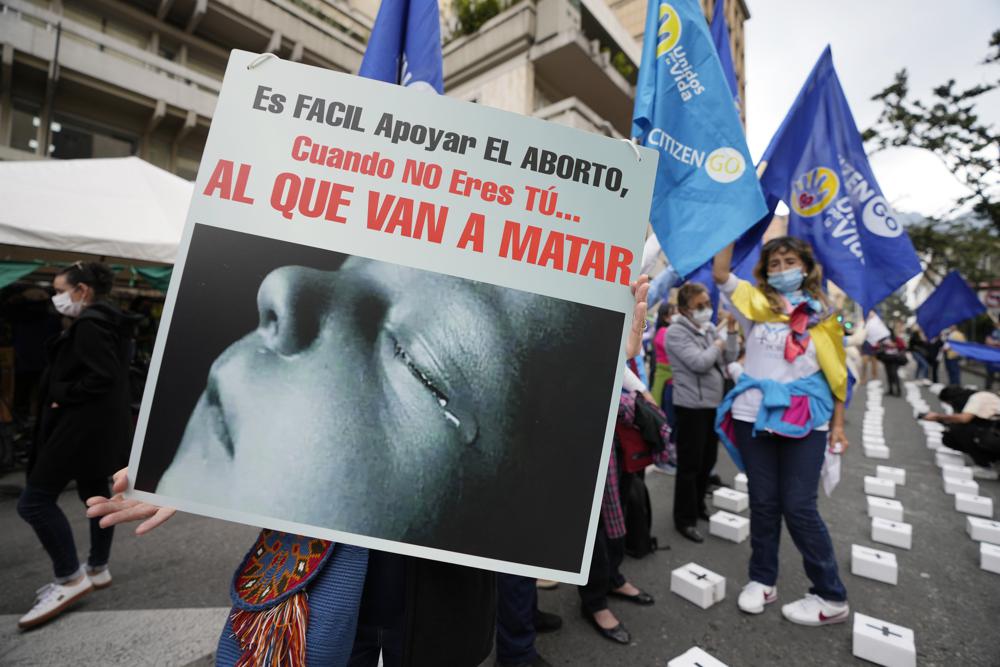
(872, 441)
(874, 564)
(698, 585)
(989, 557)
(695, 657)
(978, 505)
(932, 428)
(936, 388)
(898, 475)
(893, 533)
(956, 472)
(983, 530)
(884, 508)
(880, 452)
(875, 486)
(883, 643)
(730, 500)
(952, 485)
(740, 482)
(873, 431)
(945, 459)
(732, 527)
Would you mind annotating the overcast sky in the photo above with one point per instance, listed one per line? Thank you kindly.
(871, 40)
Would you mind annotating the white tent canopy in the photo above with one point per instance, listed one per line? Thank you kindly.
(115, 207)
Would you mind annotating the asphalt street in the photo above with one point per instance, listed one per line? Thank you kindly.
(170, 592)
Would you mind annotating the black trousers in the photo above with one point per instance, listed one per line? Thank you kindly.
(604, 573)
(975, 439)
(892, 376)
(40, 509)
(697, 452)
(517, 603)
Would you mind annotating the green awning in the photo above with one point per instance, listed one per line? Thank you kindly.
(13, 271)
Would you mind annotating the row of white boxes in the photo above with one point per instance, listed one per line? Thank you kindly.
(873, 639)
(957, 480)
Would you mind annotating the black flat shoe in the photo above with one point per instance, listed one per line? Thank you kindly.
(617, 634)
(642, 598)
(546, 622)
(691, 533)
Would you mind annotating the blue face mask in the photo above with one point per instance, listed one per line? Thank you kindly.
(786, 281)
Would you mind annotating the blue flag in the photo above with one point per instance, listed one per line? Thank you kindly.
(405, 45)
(952, 302)
(977, 352)
(706, 192)
(816, 164)
(720, 36)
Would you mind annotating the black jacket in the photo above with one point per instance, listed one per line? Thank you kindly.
(88, 435)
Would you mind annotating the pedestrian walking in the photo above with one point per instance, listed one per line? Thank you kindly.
(83, 433)
(779, 418)
(698, 355)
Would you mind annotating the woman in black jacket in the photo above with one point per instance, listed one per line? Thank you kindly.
(83, 432)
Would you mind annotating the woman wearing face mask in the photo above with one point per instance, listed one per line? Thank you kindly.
(698, 355)
(778, 420)
(82, 434)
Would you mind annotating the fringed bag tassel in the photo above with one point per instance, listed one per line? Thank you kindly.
(273, 637)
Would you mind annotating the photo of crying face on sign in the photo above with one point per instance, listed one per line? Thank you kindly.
(374, 399)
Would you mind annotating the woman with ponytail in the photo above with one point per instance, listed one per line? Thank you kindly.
(83, 432)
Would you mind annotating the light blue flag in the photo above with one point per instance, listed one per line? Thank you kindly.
(405, 45)
(720, 36)
(816, 164)
(706, 192)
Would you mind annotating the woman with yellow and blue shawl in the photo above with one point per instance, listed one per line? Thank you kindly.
(779, 418)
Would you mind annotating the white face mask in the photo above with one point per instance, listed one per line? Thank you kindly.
(701, 317)
(66, 306)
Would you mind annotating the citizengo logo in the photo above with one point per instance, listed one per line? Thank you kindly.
(670, 29)
(879, 218)
(814, 190)
(725, 165)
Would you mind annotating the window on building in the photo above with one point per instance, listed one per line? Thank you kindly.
(78, 140)
(22, 136)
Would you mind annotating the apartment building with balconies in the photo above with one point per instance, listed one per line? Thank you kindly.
(104, 78)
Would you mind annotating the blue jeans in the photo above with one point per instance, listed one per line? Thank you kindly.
(41, 510)
(923, 367)
(783, 475)
(954, 371)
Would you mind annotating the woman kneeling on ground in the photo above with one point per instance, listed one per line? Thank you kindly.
(778, 419)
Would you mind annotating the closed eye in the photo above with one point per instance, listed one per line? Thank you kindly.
(438, 394)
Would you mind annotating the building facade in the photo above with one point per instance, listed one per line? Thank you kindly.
(107, 78)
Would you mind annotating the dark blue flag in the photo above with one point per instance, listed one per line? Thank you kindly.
(720, 36)
(816, 164)
(706, 192)
(405, 45)
(952, 302)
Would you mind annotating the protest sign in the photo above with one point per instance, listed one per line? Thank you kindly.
(396, 320)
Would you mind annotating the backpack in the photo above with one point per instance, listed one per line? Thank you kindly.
(638, 519)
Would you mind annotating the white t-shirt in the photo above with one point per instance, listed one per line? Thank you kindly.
(765, 358)
(983, 404)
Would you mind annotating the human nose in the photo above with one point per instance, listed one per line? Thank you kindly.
(292, 301)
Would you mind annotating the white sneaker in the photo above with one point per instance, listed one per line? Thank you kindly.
(755, 595)
(814, 610)
(101, 579)
(52, 599)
